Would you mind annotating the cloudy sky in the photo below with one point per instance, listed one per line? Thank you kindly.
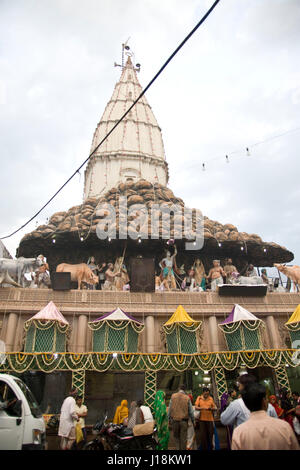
(234, 84)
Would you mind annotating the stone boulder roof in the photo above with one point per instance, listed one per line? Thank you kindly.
(80, 222)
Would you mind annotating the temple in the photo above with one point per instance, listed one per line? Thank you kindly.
(131, 163)
(126, 344)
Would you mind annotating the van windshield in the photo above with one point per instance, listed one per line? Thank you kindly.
(33, 405)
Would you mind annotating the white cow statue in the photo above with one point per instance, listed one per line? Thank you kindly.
(6, 279)
(16, 268)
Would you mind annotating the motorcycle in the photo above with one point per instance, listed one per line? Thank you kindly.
(117, 437)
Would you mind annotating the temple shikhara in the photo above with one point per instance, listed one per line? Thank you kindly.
(138, 313)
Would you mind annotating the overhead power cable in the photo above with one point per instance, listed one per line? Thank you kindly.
(122, 117)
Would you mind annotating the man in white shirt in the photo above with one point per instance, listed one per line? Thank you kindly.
(148, 422)
(68, 414)
(260, 431)
(146, 411)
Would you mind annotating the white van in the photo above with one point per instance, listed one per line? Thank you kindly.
(22, 425)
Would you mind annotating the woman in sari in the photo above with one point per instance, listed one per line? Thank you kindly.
(287, 406)
(161, 419)
(121, 412)
(274, 403)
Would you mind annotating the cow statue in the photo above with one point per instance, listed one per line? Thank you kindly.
(79, 272)
(16, 268)
(292, 272)
(6, 279)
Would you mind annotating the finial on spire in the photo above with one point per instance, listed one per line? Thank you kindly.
(127, 51)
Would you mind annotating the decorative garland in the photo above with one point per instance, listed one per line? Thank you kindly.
(20, 362)
(168, 329)
(251, 325)
(116, 325)
(49, 362)
(46, 325)
(95, 326)
(155, 361)
(128, 362)
(293, 326)
(206, 361)
(101, 362)
(77, 361)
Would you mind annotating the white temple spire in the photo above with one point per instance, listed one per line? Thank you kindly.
(135, 149)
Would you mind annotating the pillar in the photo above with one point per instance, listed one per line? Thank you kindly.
(78, 381)
(273, 332)
(220, 381)
(19, 335)
(213, 334)
(282, 378)
(150, 388)
(11, 331)
(81, 334)
(150, 334)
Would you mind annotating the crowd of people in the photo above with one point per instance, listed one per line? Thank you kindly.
(252, 420)
(247, 412)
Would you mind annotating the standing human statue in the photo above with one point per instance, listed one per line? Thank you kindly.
(216, 274)
(122, 280)
(97, 270)
(167, 266)
(110, 277)
(94, 268)
(42, 274)
(231, 271)
(200, 276)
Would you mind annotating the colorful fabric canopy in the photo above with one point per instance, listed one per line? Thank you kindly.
(49, 313)
(117, 315)
(180, 316)
(238, 314)
(295, 318)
